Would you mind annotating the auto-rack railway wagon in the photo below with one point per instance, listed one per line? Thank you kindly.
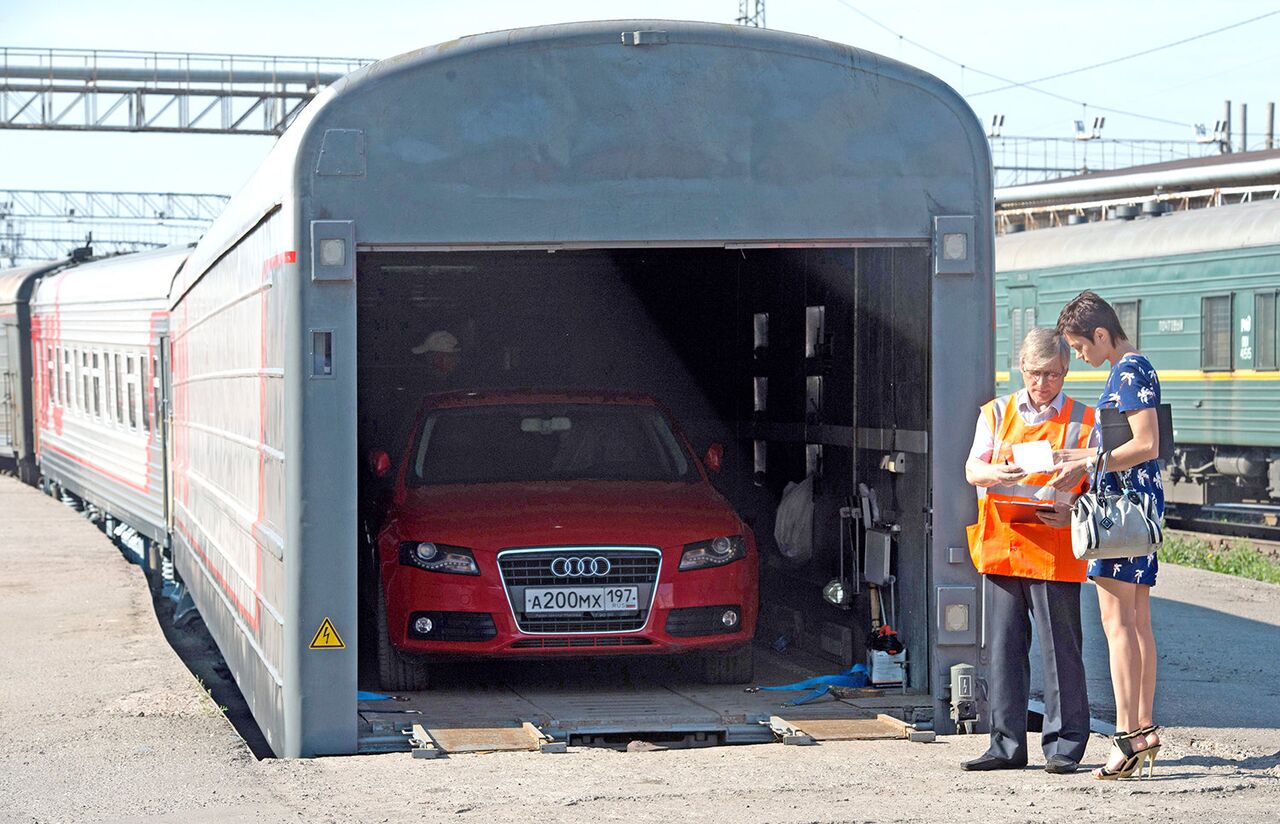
(784, 242)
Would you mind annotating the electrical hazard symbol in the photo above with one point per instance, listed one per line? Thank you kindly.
(327, 637)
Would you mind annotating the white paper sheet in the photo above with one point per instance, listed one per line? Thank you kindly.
(1036, 456)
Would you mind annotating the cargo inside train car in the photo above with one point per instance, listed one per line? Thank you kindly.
(786, 358)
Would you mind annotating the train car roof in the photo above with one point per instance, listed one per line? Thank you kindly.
(1182, 233)
(879, 187)
(140, 276)
(16, 284)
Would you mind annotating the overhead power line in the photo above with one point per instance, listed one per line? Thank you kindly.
(1112, 62)
(1010, 81)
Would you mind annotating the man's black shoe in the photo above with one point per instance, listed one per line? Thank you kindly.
(1060, 765)
(986, 762)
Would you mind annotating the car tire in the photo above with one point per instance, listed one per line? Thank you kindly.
(396, 672)
(736, 666)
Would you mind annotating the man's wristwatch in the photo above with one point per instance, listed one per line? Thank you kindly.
(1091, 463)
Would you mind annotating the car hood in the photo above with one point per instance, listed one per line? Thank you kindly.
(493, 516)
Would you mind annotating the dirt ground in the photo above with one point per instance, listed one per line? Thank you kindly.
(101, 721)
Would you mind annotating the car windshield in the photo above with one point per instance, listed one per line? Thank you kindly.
(547, 442)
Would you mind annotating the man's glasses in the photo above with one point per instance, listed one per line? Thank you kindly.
(1043, 375)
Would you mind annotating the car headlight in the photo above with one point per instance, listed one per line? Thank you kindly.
(712, 553)
(457, 560)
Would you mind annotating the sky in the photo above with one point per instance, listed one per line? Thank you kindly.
(1155, 96)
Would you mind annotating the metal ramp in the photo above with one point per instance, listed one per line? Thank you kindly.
(529, 706)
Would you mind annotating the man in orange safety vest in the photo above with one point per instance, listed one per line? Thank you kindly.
(1022, 546)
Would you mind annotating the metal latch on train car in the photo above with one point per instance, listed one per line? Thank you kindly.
(644, 38)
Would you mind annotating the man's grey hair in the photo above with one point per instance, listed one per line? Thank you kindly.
(1041, 345)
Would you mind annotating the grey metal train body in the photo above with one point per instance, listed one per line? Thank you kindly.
(1196, 291)
(17, 432)
(577, 139)
(97, 333)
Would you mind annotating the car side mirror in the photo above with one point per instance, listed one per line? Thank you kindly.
(714, 459)
(379, 463)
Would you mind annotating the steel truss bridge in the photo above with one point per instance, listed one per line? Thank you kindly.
(40, 225)
(131, 91)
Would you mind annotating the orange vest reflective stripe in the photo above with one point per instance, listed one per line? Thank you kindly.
(1027, 550)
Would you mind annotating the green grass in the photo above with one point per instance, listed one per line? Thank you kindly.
(1240, 557)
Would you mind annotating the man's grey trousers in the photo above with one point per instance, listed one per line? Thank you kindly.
(1055, 607)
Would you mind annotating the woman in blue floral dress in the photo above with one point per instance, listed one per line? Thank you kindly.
(1093, 330)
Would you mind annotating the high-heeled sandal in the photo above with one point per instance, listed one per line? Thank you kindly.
(1148, 752)
(1123, 741)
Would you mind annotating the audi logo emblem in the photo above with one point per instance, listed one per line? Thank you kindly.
(581, 567)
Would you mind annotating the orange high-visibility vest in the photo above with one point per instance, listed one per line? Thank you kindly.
(1027, 550)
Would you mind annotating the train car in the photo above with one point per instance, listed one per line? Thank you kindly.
(1196, 291)
(97, 341)
(17, 430)
(776, 237)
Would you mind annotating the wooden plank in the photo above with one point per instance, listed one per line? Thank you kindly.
(482, 739)
(850, 729)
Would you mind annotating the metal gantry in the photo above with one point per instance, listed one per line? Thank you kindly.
(130, 91)
(40, 224)
(1019, 160)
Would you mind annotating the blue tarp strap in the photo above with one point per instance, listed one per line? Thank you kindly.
(855, 676)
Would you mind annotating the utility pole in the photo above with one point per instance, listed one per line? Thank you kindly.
(1226, 128)
(1271, 126)
(1244, 127)
(751, 13)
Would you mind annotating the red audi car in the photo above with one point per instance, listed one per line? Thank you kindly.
(552, 524)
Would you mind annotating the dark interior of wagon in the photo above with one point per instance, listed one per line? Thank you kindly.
(801, 362)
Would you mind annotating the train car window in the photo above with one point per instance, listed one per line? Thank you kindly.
(67, 386)
(1215, 332)
(1015, 337)
(51, 367)
(108, 390)
(1127, 311)
(1264, 327)
(97, 385)
(86, 383)
(131, 383)
(119, 393)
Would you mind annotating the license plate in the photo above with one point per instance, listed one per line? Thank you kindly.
(581, 599)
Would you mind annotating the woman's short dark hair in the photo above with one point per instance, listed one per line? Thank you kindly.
(1086, 312)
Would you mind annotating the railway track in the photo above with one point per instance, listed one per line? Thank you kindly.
(1257, 522)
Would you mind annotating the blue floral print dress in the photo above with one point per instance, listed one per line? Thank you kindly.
(1132, 384)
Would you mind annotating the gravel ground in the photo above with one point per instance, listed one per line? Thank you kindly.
(101, 721)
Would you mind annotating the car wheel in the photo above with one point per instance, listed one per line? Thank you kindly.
(396, 671)
(737, 666)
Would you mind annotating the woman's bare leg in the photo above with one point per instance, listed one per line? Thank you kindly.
(1117, 605)
(1147, 655)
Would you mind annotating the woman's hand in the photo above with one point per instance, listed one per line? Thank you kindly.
(1068, 475)
(1061, 456)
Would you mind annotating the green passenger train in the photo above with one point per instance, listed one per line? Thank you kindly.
(1196, 291)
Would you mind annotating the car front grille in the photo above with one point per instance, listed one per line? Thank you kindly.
(575, 643)
(524, 568)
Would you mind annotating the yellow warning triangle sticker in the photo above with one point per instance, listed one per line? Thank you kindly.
(327, 637)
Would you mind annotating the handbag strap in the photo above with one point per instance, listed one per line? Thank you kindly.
(1100, 469)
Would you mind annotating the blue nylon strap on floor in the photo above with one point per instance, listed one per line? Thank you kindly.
(855, 676)
(371, 696)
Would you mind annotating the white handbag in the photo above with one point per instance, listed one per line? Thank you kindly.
(1121, 524)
